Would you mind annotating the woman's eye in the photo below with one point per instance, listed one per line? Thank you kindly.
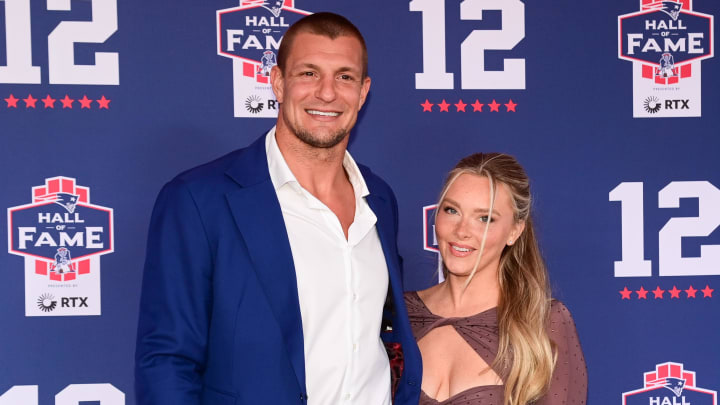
(450, 210)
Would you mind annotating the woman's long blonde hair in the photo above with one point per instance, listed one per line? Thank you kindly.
(525, 352)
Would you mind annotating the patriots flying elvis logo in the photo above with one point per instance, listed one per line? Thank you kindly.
(670, 384)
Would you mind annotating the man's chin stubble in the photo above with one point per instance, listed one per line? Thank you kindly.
(314, 141)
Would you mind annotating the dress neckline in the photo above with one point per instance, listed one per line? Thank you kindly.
(488, 312)
(468, 391)
(425, 307)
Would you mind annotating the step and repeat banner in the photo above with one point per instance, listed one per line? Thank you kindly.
(613, 108)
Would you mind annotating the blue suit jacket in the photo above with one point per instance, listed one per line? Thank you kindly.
(219, 314)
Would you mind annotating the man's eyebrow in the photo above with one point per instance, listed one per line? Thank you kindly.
(308, 65)
(348, 69)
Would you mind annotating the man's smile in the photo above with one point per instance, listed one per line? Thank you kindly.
(323, 113)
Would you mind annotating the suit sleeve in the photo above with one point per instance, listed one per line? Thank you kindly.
(396, 225)
(569, 380)
(175, 302)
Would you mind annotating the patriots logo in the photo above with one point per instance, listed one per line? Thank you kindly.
(275, 6)
(63, 262)
(65, 200)
(675, 385)
(267, 62)
(667, 64)
(671, 8)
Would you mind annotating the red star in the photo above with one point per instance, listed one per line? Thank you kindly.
(658, 292)
(12, 101)
(103, 102)
(67, 102)
(427, 105)
(85, 102)
(625, 293)
(49, 102)
(460, 106)
(707, 291)
(690, 292)
(444, 106)
(30, 101)
(477, 106)
(642, 293)
(510, 106)
(674, 293)
(494, 106)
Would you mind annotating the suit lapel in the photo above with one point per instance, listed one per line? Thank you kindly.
(258, 216)
(385, 227)
(382, 206)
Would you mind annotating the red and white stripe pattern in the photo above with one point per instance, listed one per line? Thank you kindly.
(48, 193)
(665, 370)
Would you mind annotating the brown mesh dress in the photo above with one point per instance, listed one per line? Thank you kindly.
(480, 331)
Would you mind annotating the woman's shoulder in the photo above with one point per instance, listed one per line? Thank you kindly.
(415, 300)
(559, 312)
(561, 320)
(422, 294)
(410, 295)
(413, 303)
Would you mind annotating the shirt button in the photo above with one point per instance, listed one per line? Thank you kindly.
(346, 397)
(355, 347)
(354, 297)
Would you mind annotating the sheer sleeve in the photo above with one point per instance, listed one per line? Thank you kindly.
(569, 380)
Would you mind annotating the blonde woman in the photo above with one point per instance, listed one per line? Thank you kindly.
(490, 333)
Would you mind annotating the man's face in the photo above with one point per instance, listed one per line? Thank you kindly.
(321, 89)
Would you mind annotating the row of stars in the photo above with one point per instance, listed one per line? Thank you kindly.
(460, 106)
(659, 293)
(49, 102)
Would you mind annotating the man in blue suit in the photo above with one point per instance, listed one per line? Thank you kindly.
(272, 274)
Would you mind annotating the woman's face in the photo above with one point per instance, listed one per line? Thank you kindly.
(461, 221)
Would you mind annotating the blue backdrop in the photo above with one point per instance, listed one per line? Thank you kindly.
(102, 102)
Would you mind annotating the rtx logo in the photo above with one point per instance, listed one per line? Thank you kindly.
(255, 105)
(653, 105)
(73, 302)
(677, 104)
(46, 302)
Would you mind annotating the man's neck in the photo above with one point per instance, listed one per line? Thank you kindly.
(318, 170)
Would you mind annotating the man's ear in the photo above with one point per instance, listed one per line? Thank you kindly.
(364, 90)
(276, 81)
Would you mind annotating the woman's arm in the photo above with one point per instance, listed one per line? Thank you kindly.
(569, 380)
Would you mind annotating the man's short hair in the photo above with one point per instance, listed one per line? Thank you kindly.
(326, 24)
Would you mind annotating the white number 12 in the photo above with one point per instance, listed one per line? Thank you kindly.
(472, 49)
(671, 262)
(61, 41)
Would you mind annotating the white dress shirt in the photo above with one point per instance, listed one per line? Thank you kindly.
(342, 286)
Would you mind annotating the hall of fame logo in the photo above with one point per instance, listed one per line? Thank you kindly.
(61, 236)
(250, 35)
(670, 384)
(429, 238)
(430, 242)
(666, 42)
